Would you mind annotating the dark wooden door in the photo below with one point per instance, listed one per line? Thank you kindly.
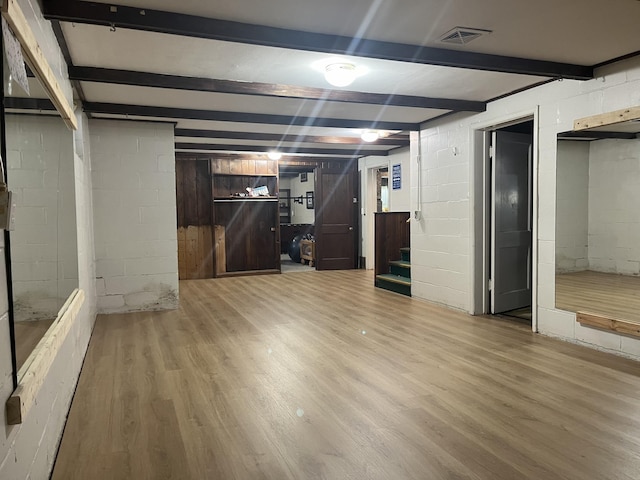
(335, 205)
(251, 234)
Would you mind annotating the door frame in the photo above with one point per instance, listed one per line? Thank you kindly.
(480, 208)
(369, 209)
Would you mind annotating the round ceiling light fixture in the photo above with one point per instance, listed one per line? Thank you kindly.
(274, 155)
(340, 74)
(370, 135)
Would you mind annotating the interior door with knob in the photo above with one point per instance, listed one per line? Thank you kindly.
(335, 224)
(511, 221)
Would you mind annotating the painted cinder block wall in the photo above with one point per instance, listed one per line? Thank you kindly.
(614, 206)
(441, 242)
(134, 193)
(28, 450)
(40, 166)
(572, 207)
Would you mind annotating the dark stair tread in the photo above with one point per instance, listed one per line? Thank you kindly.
(405, 249)
(401, 263)
(389, 277)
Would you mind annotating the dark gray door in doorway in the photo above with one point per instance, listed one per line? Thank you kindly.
(335, 227)
(511, 221)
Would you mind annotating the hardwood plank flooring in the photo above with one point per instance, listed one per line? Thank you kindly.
(608, 294)
(319, 375)
(28, 335)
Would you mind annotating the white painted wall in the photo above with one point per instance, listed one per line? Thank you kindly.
(399, 200)
(572, 208)
(44, 254)
(441, 243)
(134, 193)
(28, 450)
(300, 213)
(614, 206)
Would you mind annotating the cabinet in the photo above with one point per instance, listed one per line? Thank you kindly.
(250, 223)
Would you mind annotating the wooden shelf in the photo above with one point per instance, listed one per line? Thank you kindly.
(611, 324)
(245, 199)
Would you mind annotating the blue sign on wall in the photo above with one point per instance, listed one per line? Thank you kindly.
(396, 177)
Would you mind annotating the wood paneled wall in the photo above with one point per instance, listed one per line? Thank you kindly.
(392, 233)
(194, 202)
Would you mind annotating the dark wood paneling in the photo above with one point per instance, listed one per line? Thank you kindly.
(193, 193)
(229, 31)
(392, 232)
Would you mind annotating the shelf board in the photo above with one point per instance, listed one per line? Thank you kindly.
(245, 199)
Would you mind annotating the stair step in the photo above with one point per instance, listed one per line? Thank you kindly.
(394, 283)
(405, 254)
(400, 263)
(388, 277)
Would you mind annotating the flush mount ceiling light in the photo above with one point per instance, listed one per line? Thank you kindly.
(274, 155)
(340, 74)
(370, 135)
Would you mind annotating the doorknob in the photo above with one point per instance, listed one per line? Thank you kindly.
(350, 229)
(273, 229)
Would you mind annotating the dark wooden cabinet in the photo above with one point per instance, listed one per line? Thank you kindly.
(248, 225)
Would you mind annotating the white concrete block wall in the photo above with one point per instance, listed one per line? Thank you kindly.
(134, 195)
(44, 256)
(440, 238)
(614, 200)
(27, 451)
(441, 273)
(572, 207)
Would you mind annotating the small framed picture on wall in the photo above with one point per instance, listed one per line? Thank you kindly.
(303, 177)
(310, 200)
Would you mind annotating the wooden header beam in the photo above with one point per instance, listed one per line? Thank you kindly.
(37, 61)
(606, 119)
(110, 14)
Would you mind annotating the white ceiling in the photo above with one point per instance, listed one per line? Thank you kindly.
(581, 32)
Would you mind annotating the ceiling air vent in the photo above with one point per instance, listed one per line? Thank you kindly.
(463, 35)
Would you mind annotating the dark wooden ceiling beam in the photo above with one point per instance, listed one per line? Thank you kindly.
(155, 80)
(19, 103)
(223, 116)
(215, 29)
(399, 140)
(218, 147)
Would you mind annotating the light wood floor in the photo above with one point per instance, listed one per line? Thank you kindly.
(320, 376)
(28, 334)
(613, 295)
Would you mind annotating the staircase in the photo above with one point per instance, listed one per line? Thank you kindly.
(399, 277)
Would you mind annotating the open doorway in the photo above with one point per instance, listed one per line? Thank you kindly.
(505, 227)
(297, 217)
